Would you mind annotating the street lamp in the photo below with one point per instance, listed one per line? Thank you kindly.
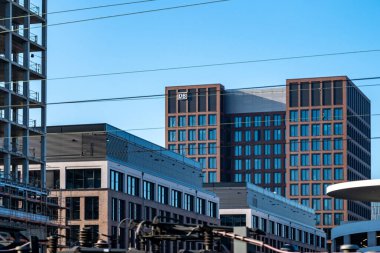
(118, 231)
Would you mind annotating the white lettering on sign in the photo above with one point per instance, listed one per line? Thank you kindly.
(182, 96)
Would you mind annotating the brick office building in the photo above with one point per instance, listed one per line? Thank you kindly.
(327, 123)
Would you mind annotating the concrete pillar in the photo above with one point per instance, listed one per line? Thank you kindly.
(240, 246)
(347, 239)
(372, 240)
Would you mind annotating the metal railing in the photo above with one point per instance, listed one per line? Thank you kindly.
(18, 87)
(18, 119)
(33, 37)
(32, 123)
(34, 95)
(36, 67)
(18, 58)
(35, 9)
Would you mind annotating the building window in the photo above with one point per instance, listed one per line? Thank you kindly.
(327, 175)
(189, 202)
(173, 148)
(338, 174)
(305, 175)
(338, 144)
(212, 163)
(172, 121)
(238, 178)
(316, 189)
(163, 194)
(247, 150)
(202, 161)
(316, 174)
(326, 114)
(257, 164)
(294, 160)
(338, 129)
(148, 190)
(182, 135)
(212, 120)
(238, 122)
(294, 190)
(305, 202)
(257, 149)
(315, 130)
(305, 190)
(200, 206)
(338, 218)
(293, 116)
(192, 120)
(202, 148)
(277, 120)
(247, 121)
(315, 115)
(182, 149)
(277, 134)
(238, 136)
(53, 179)
(238, 150)
(134, 211)
(277, 163)
(316, 159)
(304, 145)
(294, 175)
(83, 178)
(267, 135)
(327, 219)
(327, 159)
(176, 198)
(257, 178)
(326, 129)
(212, 209)
(267, 120)
(256, 135)
(238, 165)
(247, 135)
(305, 115)
(293, 145)
(202, 134)
(304, 130)
(315, 144)
(182, 121)
(133, 185)
(267, 149)
(91, 208)
(305, 161)
(327, 204)
(338, 114)
(117, 181)
(212, 177)
(277, 178)
(277, 149)
(267, 178)
(72, 208)
(192, 135)
(212, 134)
(257, 121)
(293, 130)
(192, 149)
(211, 148)
(201, 120)
(338, 159)
(172, 136)
(326, 144)
(267, 165)
(247, 164)
(338, 204)
(316, 204)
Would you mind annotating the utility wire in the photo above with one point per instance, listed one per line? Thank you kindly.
(211, 65)
(78, 9)
(119, 15)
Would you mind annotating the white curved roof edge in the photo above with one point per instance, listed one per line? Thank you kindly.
(351, 185)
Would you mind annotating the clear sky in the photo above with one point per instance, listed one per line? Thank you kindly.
(237, 30)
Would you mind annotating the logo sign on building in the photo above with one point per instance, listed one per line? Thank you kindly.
(182, 96)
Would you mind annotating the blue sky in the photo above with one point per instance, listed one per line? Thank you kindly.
(230, 31)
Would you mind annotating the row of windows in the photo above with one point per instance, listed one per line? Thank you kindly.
(261, 178)
(191, 120)
(315, 175)
(286, 231)
(305, 189)
(191, 135)
(258, 121)
(194, 149)
(315, 115)
(161, 194)
(91, 208)
(328, 203)
(259, 135)
(258, 164)
(316, 144)
(316, 159)
(304, 130)
(259, 149)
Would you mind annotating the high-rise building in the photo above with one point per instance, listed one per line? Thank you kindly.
(23, 112)
(237, 135)
(329, 135)
(327, 139)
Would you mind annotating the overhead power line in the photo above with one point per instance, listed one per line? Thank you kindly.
(79, 9)
(121, 15)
